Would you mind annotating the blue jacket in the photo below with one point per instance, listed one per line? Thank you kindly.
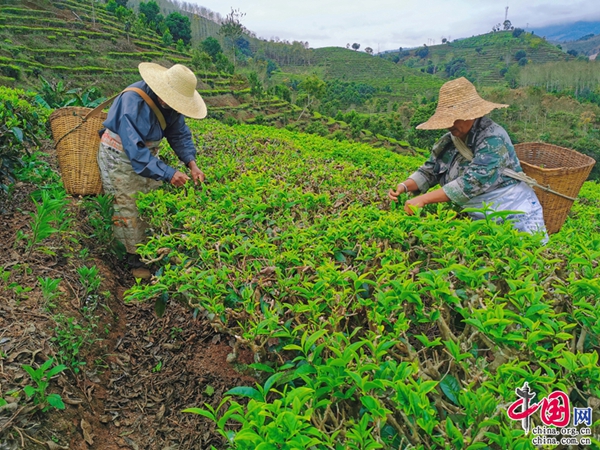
(135, 123)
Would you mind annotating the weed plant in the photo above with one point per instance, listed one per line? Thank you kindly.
(51, 216)
(70, 337)
(50, 292)
(41, 378)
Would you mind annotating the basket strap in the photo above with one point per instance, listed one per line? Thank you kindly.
(100, 107)
(532, 182)
(151, 104)
(146, 97)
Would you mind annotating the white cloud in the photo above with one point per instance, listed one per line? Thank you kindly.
(387, 25)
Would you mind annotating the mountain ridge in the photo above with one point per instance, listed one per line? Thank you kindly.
(567, 32)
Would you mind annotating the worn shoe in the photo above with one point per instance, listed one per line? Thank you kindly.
(141, 272)
(137, 266)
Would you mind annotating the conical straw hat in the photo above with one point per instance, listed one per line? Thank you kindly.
(176, 86)
(458, 101)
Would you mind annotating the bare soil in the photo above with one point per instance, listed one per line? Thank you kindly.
(140, 370)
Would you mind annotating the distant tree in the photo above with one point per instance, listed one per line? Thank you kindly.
(512, 76)
(422, 52)
(369, 50)
(572, 52)
(559, 46)
(355, 46)
(111, 6)
(283, 92)
(444, 40)
(179, 26)
(167, 39)
(159, 24)
(232, 29)
(123, 14)
(243, 46)
(122, 3)
(127, 26)
(520, 54)
(151, 10)
(271, 67)
(314, 88)
(223, 64)
(256, 86)
(507, 25)
(523, 62)
(457, 67)
(180, 46)
(348, 45)
(518, 32)
(201, 62)
(211, 46)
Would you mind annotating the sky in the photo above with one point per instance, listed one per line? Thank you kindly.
(387, 25)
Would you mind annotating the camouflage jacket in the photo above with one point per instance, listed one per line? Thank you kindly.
(461, 179)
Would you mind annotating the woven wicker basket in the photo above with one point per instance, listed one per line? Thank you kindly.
(561, 169)
(77, 141)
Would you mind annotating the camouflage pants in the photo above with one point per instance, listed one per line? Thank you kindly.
(119, 179)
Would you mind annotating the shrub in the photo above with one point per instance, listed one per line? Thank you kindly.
(11, 71)
(422, 52)
(21, 124)
(518, 32)
(317, 128)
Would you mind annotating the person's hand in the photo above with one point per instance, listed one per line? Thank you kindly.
(179, 179)
(197, 175)
(419, 202)
(393, 195)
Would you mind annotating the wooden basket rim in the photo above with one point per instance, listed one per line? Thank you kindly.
(586, 162)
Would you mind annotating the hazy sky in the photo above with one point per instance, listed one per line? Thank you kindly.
(387, 25)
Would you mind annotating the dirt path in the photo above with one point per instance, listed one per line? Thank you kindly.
(140, 370)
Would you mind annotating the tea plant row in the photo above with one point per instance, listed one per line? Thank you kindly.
(375, 329)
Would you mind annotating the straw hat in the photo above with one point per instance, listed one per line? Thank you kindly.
(458, 101)
(176, 87)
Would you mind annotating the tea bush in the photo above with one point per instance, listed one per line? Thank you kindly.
(21, 125)
(373, 329)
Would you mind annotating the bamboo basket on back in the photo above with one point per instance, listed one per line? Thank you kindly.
(76, 138)
(561, 169)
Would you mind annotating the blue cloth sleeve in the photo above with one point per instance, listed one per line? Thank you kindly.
(179, 136)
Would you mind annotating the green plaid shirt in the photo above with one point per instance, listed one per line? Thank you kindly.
(461, 179)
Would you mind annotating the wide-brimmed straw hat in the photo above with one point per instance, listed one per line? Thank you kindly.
(176, 86)
(458, 101)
